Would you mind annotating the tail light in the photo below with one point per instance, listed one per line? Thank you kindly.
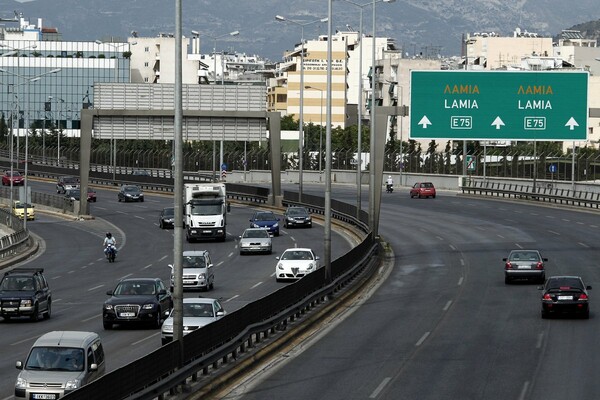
(583, 296)
(547, 297)
(508, 265)
(539, 265)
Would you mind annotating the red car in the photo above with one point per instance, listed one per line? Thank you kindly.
(17, 178)
(422, 189)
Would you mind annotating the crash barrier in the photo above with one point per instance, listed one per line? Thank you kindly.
(543, 193)
(203, 352)
(16, 242)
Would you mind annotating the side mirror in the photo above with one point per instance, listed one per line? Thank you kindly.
(317, 258)
(19, 365)
(162, 292)
(220, 313)
(228, 207)
(94, 367)
(504, 259)
(544, 259)
(109, 293)
(588, 287)
(171, 267)
(277, 258)
(540, 288)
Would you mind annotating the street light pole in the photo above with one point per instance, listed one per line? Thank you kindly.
(301, 117)
(320, 129)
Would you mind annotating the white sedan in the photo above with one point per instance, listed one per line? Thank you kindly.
(197, 312)
(296, 262)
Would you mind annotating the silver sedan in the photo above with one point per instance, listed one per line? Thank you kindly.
(255, 240)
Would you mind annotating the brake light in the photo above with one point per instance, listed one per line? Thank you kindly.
(508, 265)
(583, 296)
(547, 297)
(539, 265)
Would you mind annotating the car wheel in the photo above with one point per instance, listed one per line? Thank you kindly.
(277, 233)
(433, 197)
(107, 325)
(156, 322)
(48, 312)
(36, 313)
(142, 200)
(212, 285)
(544, 314)
(586, 314)
(164, 341)
(118, 198)
(506, 280)
(161, 225)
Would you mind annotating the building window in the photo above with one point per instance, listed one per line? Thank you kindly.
(146, 80)
(147, 49)
(146, 64)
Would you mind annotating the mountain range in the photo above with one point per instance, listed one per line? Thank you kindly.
(429, 27)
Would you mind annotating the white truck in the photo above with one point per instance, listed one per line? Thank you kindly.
(205, 211)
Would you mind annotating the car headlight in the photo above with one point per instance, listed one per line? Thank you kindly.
(275, 225)
(255, 225)
(108, 307)
(280, 266)
(310, 266)
(72, 384)
(21, 383)
(26, 303)
(245, 244)
(148, 306)
(128, 195)
(167, 328)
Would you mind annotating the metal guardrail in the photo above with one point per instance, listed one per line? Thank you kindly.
(16, 242)
(545, 193)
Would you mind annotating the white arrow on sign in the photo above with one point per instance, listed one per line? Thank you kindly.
(424, 121)
(498, 123)
(571, 123)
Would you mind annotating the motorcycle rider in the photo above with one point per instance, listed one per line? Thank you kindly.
(108, 241)
(389, 184)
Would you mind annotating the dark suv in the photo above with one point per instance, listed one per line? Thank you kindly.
(25, 292)
(65, 183)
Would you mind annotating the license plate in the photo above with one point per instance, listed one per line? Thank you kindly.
(188, 282)
(43, 396)
(127, 314)
(207, 231)
(565, 297)
(524, 267)
(10, 309)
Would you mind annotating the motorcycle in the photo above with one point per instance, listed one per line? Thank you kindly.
(389, 188)
(111, 252)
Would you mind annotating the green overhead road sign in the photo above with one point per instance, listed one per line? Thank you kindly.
(502, 105)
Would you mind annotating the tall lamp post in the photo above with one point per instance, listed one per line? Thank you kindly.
(360, 99)
(15, 51)
(301, 121)
(27, 80)
(215, 38)
(320, 129)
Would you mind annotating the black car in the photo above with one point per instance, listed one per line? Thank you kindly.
(75, 195)
(130, 193)
(297, 216)
(167, 218)
(137, 300)
(24, 292)
(565, 295)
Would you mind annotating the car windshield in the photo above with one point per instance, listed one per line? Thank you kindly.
(21, 205)
(17, 283)
(55, 359)
(135, 288)
(169, 212)
(70, 181)
(193, 262)
(297, 255)
(524, 256)
(131, 189)
(264, 217)
(198, 310)
(255, 233)
(297, 211)
(206, 209)
(74, 193)
(14, 173)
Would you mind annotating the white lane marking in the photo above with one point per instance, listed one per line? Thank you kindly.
(462, 262)
(580, 223)
(540, 340)
(25, 340)
(380, 388)
(137, 216)
(56, 300)
(230, 254)
(257, 285)
(293, 239)
(439, 238)
(95, 287)
(550, 216)
(126, 276)
(500, 236)
(70, 272)
(460, 281)
(481, 228)
(518, 245)
(524, 390)
(423, 338)
(57, 277)
(593, 226)
(147, 266)
(91, 318)
(583, 245)
(566, 220)
(447, 306)
(84, 267)
(219, 263)
(146, 338)
(163, 257)
(228, 300)
(453, 248)
(554, 233)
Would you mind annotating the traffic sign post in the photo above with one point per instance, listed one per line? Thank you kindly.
(471, 164)
(499, 105)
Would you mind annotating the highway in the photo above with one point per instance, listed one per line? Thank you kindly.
(79, 276)
(443, 325)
